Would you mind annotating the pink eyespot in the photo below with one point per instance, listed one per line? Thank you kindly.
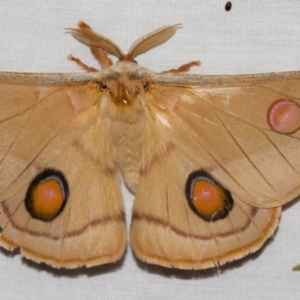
(284, 116)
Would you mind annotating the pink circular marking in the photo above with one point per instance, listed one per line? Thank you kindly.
(284, 116)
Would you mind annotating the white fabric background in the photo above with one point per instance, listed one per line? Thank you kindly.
(255, 36)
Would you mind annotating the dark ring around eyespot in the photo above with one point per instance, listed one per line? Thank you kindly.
(207, 197)
(47, 195)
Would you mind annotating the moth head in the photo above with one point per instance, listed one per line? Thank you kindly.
(124, 90)
(94, 40)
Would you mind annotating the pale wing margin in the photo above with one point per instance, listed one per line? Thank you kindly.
(48, 78)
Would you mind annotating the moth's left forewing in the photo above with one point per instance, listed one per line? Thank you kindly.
(229, 123)
(54, 130)
(216, 129)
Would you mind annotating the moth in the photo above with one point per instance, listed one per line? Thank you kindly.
(210, 160)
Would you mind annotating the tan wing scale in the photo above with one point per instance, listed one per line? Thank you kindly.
(59, 127)
(223, 130)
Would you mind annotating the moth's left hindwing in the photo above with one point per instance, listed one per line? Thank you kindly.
(54, 148)
(206, 192)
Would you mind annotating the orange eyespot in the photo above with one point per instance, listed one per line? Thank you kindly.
(284, 116)
(47, 198)
(207, 198)
(47, 195)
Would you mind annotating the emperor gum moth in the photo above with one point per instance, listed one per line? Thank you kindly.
(210, 160)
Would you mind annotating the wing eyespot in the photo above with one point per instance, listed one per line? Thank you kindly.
(207, 197)
(47, 195)
(283, 116)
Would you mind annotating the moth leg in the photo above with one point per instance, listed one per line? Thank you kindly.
(102, 57)
(100, 54)
(81, 64)
(81, 24)
(185, 67)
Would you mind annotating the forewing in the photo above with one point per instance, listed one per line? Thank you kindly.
(58, 127)
(225, 129)
(220, 132)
